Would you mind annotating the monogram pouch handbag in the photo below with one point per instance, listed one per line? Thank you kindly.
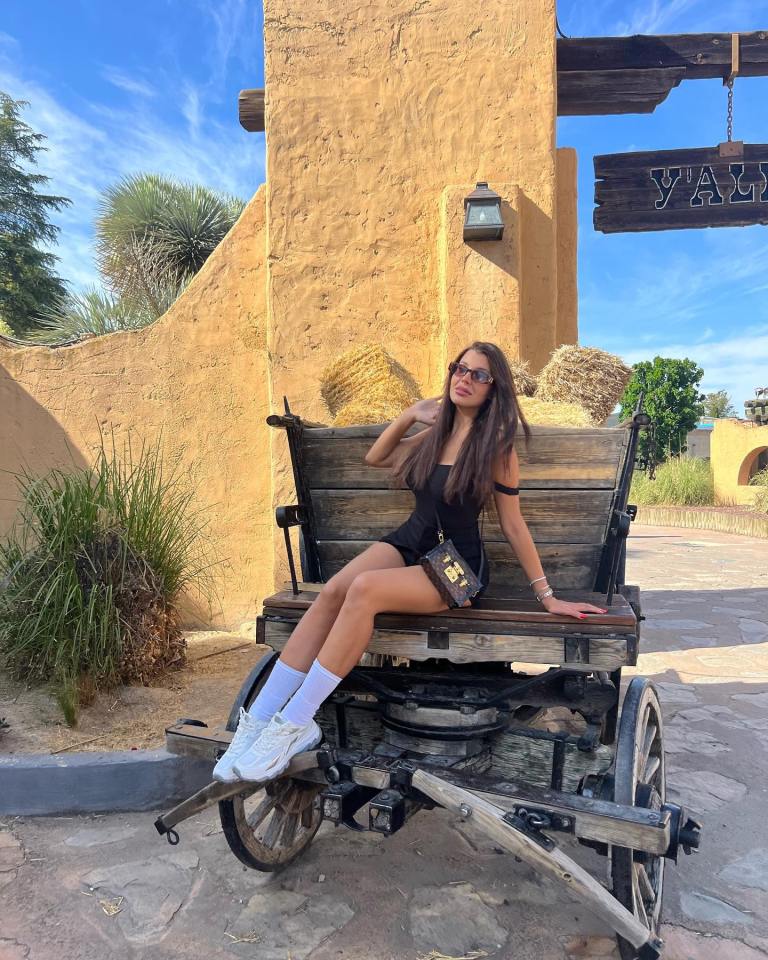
(450, 572)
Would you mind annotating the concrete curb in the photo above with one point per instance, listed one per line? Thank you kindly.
(693, 518)
(44, 784)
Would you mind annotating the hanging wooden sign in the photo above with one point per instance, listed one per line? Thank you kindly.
(724, 186)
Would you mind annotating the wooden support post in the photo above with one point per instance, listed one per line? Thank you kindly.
(489, 819)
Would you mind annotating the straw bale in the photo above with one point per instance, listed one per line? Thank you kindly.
(591, 378)
(550, 413)
(367, 373)
(525, 382)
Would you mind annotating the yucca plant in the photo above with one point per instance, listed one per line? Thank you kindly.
(151, 228)
(679, 481)
(92, 571)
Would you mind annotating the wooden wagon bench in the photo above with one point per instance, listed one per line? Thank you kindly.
(504, 713)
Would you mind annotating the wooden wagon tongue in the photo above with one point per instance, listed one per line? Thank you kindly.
(514, 817)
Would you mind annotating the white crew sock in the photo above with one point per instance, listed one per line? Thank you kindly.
(281, 684)
(318, 685)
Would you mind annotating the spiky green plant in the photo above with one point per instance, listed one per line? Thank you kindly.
(679, 481)
(92, 571)
(149, 225)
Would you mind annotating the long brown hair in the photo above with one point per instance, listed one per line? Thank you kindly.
(492, 434)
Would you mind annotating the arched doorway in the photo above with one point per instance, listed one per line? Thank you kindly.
(754, 461)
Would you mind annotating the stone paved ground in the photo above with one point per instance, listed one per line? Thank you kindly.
(435, 885)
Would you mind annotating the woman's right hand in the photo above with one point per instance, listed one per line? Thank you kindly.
(425, 411)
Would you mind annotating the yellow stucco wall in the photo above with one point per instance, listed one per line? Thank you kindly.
(380, 118)
(734, 447)
(200, 376)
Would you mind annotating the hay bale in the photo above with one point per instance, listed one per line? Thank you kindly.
(367, 374)
(552, 414)
(525, 382)
(591, 378)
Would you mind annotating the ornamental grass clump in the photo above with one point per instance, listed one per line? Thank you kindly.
(680, 481)
(760, 479)
(92, 571)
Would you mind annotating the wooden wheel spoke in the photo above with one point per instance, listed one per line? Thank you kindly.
(641, 912)
(644, 884)
(256, 817)
(306, 817)
(289, 830)
(650, 736)
(274, 829)
(651, 769)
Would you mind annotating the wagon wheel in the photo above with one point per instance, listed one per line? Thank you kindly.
(638, 877)
(268, 829)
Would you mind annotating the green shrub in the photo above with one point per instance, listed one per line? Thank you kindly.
(91, 573)
(679, 481)
(760, 479)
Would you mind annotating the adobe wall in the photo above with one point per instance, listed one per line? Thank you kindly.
(734, 447)
(199, 375)
(380, 118)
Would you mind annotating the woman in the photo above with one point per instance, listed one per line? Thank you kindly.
(466, 453)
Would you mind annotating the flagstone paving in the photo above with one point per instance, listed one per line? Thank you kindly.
(96, 887)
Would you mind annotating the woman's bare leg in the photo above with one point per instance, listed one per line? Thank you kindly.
(405, 590)
(311, 631)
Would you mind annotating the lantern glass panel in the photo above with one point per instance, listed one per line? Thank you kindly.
(483, 214)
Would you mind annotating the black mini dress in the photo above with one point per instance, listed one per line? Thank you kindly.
(418, 534)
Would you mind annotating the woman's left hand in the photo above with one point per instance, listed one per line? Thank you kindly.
(568, 609)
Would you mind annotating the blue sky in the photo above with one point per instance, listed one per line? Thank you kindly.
(152, 85)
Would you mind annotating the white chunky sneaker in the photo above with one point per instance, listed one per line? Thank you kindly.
(248, 730)
(271, 753)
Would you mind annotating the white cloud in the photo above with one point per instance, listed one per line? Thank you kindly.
(129, 84)
(654, 17)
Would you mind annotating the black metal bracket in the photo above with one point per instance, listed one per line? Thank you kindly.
(294, 427)
(532, 832)
(544, 819)
(650, 950)
(286, 517)
(576, 648)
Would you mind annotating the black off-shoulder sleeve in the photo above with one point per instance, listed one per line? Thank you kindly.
(503, 489)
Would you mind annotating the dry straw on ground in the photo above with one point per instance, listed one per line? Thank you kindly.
(591, 378)
(366, 385)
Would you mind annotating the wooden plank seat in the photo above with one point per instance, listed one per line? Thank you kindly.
(513, 629)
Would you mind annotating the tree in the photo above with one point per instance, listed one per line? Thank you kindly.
(718, 404)
(672, 401)
(28, 284)
(154, 234)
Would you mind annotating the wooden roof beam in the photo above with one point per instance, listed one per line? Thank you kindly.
(612, 75)
(704, 55)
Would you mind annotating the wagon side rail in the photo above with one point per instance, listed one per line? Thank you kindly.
(302, 513)
(621, 512)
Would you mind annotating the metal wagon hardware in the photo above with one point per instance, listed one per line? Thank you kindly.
(449, 709)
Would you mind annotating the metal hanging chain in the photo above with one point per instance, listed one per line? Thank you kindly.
(729, 124)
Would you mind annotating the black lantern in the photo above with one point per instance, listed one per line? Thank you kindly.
(482, 214)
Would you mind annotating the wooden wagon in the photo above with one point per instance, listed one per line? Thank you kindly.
(503, 713)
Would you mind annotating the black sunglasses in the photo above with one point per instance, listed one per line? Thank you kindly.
(479, 376)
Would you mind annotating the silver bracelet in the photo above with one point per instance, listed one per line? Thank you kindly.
(549, 592)
(531, 582)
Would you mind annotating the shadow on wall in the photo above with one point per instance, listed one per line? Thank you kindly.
(30, 439)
